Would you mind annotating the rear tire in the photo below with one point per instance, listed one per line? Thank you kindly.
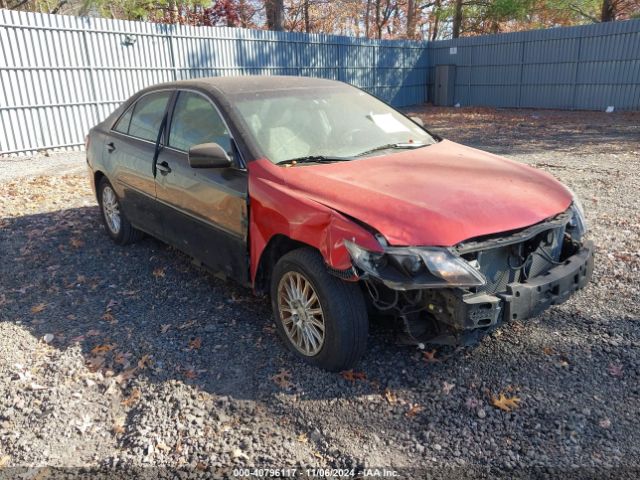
(116, 224)
(337, 304)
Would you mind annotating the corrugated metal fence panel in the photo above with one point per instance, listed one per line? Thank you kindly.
(60, 75)
(586, 67)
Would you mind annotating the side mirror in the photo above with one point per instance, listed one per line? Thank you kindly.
(208, 155)
(418, 120)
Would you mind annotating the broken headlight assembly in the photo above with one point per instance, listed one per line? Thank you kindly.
(577, 224)
(406, 268)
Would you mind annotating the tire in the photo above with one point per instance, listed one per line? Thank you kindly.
(122, 233)
(342, 309)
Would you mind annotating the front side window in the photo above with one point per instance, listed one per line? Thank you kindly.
(331, 121)
(147, 116)
(195, 121)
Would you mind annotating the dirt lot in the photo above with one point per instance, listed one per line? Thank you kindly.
(132, 357)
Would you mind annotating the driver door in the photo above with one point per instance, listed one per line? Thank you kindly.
(205, 209)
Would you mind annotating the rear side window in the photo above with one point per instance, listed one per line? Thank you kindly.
(147, 116)
(123, 124)
(195, 121)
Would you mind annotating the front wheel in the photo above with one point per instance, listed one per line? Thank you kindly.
(321, 318)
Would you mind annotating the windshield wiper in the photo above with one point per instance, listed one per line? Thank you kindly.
(389, 146)
(314, 159)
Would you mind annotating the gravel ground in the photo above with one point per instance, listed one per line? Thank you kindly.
(133, 357)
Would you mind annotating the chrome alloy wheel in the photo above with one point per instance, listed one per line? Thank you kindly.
(111, 209)
(301, 313)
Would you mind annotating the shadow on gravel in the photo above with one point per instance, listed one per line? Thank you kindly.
(145, 309)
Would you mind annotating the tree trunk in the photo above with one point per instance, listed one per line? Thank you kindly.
(378, 25)
(608, 13)
(436, 20)
(307, 24)
(275, 14)
(457, 19)
(411, 19)
(367, 19)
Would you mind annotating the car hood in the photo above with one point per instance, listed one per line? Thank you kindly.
(438, 195)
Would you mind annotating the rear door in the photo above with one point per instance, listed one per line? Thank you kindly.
(129, 151)
(205, 209)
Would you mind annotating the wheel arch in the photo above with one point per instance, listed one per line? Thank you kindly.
(278, 246)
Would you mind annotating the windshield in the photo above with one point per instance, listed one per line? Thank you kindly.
(338, 121)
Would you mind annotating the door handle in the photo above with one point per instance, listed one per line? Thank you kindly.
(110, 147)
(163, 167)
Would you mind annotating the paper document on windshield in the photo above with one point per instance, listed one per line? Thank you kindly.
(387, 123)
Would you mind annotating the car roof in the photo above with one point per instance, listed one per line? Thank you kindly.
(238, 85)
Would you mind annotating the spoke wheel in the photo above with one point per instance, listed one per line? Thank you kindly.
(301, 313)
(111, 210)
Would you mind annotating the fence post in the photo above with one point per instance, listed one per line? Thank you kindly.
(575, 75)
(92, 78)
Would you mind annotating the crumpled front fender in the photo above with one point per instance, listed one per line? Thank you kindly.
(277, 209)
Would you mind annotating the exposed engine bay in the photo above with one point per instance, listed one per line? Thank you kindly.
(493, 279)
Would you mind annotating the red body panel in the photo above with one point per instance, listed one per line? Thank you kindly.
(438, 195)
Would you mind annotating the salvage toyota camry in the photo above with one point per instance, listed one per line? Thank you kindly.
(339, 207)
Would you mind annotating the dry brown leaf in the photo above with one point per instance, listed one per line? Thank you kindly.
(282, 378)
(353, 376)
(76, 242)
(165, 327)
(190, 374)
(159, 272)
(108, 317)
(505, 403)
(389, 396)
(447, 387)
(118, 429)
(195, 343)
(414, 409)
(133, 398)
(38, 308)
(186, 325)
(548, 351)
(102, 349)
(125, 375)
(95, 363)
(302, 438)
(430, 356)
(144, 361)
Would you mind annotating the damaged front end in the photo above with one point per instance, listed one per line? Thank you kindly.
(454, 295)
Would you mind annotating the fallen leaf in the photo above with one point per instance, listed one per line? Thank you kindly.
(38, 308)
(112, 303)
(447, 387)
(165, 327)
(389, 396)
(190, 374)
(101, 349)
(95, 363)
(163, 446)
(118, 429)
(108, 317)
(186, 325)
(144, 361)
(353, 376)
(76, 242)
(615, 370)
(505, 403)
(302, 438)
(430, 356)
(414, 409)
(4, 461)
(282, 378)
(159, 272)
(202, 466)
(93, 333)
(548, 351)
(125, 375)
(195, 343)
(133, 398)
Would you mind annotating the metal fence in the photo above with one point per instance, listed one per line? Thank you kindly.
(588, 67)
(60, 75)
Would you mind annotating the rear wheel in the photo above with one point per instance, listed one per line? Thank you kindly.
(116, 224)
(321, 318)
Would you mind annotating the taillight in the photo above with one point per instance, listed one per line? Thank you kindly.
(87, 141)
